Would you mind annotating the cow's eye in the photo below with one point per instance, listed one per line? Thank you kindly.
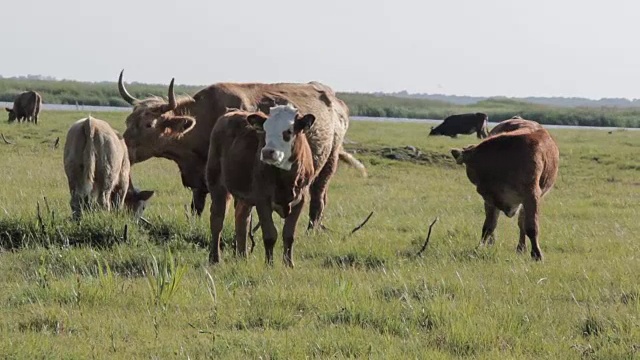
(286, 135)
(148, 125)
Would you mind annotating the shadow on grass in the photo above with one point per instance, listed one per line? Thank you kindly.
(101, 230)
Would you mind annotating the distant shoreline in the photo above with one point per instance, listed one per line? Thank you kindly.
(89, 109)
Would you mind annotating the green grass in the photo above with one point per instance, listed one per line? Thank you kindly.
(365, 295)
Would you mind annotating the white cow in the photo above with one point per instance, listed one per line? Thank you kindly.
(96, 162)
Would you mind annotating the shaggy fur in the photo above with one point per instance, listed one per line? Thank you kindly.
(145, 134)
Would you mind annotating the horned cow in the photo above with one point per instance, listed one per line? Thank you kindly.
(179, 129)
(512, 170)
(263, 161)
(97, 166)
(26, 107)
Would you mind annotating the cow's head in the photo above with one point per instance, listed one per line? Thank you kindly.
(136, 200)
(434, 131)
(281, 128)
(154, 123)
(462, 155)
(12, 114)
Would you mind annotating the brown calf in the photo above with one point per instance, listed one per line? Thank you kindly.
(97, 166)
(511, 170)
(263, 161)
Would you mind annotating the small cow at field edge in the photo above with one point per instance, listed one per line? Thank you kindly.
(97, 166)
(263, 161)
(26, 107)
(463, 124)
(512, 170)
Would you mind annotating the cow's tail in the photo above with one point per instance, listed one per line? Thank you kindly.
(485, 126)
(88, 159)
(351, 160)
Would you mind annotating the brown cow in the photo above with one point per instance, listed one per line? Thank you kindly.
(513, 124)
(511, 170)
(263, 161)
(97, 166)
(26, 107)
(179, 130)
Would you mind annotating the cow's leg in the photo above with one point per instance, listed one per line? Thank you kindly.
(219, 202)
(243, 219)
(198, 200)
(120, 190)
(531, 225)
(318, 191)
(76, 205)
(522, 245)
(491, 214)
(104, 200)
(289, 232)
(269, 232)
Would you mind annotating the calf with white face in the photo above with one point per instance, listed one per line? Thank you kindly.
(280, 129)
(282, 178)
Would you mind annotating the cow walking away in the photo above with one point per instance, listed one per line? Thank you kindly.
(463, 124)
(26, 107)
(512, 170)
(513, 124)
(179, 129)
(263, 161)
(97, 166)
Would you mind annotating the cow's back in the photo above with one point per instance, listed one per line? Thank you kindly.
(516, 158)
(513, 124)
(325, 136)
(94, 156)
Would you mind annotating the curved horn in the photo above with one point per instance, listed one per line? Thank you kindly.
(124, 93)
(172, 98)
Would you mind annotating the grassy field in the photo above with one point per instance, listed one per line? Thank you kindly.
(79, 291)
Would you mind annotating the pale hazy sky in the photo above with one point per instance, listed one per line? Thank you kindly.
(582, 48)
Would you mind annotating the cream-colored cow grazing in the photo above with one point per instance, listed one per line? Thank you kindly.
(96, 162)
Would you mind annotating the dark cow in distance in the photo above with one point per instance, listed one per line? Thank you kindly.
(263, 161)
(26, 107)
(513, 124)
(512, 170)
(179, 129)
(463, 124)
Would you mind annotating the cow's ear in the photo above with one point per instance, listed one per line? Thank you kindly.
(8, 110)
(256, 120)
(303, 123)
(145, 195)
(457, 154)
(176, 125)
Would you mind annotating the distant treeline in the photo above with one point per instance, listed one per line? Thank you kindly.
(375, 105)
(497, 109)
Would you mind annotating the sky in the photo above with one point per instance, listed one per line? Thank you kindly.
(581, 48)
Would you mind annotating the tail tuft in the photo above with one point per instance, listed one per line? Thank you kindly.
(349, 159)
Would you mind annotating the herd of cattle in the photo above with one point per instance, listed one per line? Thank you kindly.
(275, 147)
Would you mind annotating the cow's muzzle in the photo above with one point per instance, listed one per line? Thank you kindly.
(271, 156)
